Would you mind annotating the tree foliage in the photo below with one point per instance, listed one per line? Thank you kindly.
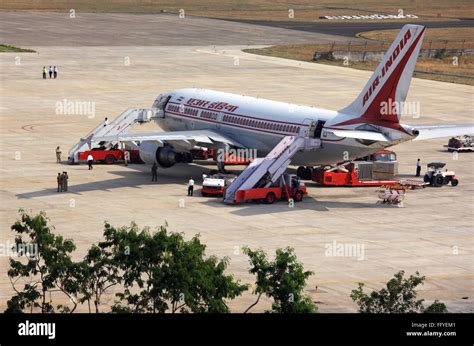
(161, 272)
(282, 279)
(47, 268)
(399, 296)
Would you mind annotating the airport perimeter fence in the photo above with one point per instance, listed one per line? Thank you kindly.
(432, 49)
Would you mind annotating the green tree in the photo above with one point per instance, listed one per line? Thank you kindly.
(436, 308)
(45, 266)
(164, 272)
(98, 272)
(398, 297)
(283, 280)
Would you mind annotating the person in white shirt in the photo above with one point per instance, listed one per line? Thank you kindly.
(418, 167)
(50, 71)
(90, 160)
(106, 122)
(190, 186)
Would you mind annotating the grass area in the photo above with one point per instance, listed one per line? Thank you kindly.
(304, 10)
(454, 38)
(442, 69)
(5, 48)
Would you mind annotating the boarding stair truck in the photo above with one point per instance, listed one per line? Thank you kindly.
(265, 172)
(120, 125)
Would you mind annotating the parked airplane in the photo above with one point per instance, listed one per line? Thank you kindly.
(197, 117)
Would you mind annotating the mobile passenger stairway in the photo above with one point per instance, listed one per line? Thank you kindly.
(120, 125)
(264, 172)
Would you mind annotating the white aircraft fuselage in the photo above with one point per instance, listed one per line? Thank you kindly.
(260, 124)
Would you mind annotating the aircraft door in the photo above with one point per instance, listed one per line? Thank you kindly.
(308, 128)
(319, 129)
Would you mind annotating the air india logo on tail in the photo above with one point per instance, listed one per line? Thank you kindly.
(388, 64)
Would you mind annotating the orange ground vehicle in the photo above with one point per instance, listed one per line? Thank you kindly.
(289, 187)
(109, 156)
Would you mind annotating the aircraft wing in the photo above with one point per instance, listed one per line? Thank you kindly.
(198, 137)
(438, 131)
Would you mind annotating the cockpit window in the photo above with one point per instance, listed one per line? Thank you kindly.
(161, 101)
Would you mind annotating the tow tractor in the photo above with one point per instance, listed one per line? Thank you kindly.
(435, 176)
(287, 187)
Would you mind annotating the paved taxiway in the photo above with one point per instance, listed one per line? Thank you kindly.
(432, 234)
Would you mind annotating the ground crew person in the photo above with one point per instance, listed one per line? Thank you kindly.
(60, 185)
(106, 121)
(44, 72)
(190, 186)
(65, 179)
(58, 154)
(154, 172)
(90, 159)
(418, 167)
(55, 71)
(50, 71)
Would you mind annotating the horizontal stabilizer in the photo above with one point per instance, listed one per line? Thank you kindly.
(369, 135)
(439, 131)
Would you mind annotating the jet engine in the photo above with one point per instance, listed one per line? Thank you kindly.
(166, 155)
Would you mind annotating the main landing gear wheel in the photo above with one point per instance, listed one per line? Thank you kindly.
(308, 173)
(454, 182)
(300, 172)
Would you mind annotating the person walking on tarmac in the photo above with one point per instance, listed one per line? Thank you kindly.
(55, 71)
(58, 154)
(44, 72)
(59, 178)
(64, 180)
(154, 172)
(90, 160)
(190, 186)
(50, 71)
(418, 167)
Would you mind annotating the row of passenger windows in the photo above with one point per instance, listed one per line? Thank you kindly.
(209, 115)
(260, 124)
(266, 125)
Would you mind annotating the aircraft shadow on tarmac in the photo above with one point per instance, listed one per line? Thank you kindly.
(139, 177)
(136, 176)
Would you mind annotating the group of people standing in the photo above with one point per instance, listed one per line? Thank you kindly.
(62, 179)
(52, 71)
